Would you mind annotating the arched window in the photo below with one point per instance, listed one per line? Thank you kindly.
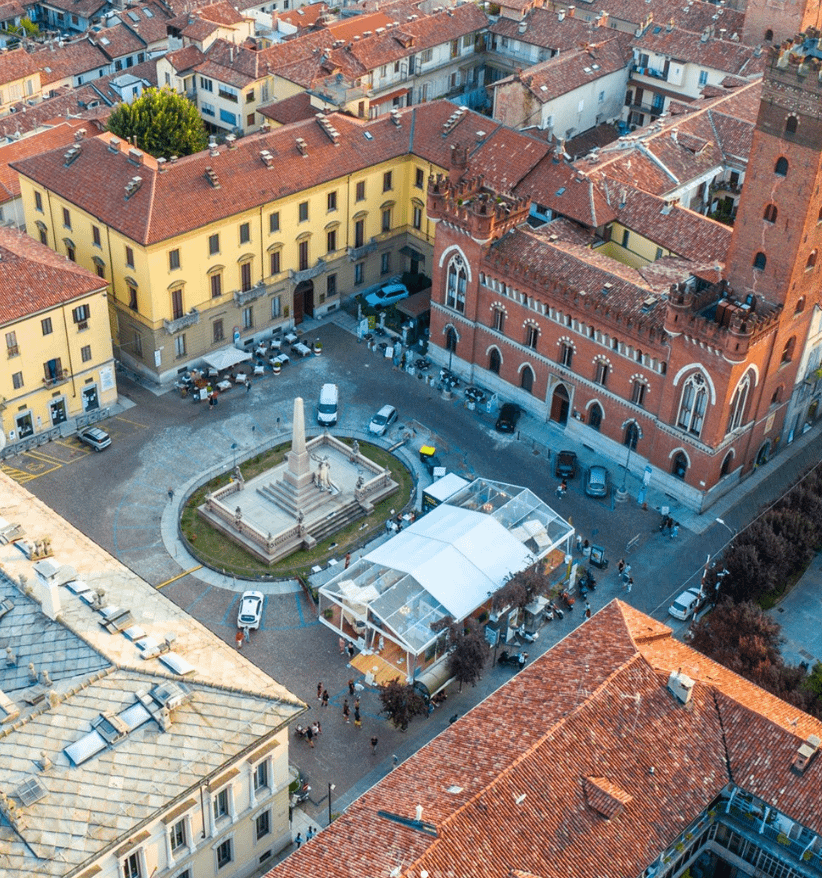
(777, 395)
(595, 416)
(457, 281)
(526, 381)
(790, 124)
(494, 361)
(770, 213)
(781, 167)
(736, 416)
(726, 464)
(679, 465)
(601, 369)
(800, 305)
(631, 436)
(768, 35)
(498, 319)
(811, 263)
(760, 260)
(451, 339)
(693, 404)
(787, 351)
(531, 336)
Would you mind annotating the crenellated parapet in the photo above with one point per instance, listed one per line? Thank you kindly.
(713, 318)
(474, 208)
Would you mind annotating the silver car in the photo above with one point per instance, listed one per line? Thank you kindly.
(384, 418)
(597, 481)
(95, 438)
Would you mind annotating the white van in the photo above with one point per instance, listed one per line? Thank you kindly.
(327, 407)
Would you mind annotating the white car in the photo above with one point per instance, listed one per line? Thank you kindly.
(390, 294)
(251, 610)
(688, 603)
(384, 418)
(95, 438)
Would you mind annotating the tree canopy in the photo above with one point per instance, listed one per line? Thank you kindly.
(163, 122)
(468, 651)
(401, 703)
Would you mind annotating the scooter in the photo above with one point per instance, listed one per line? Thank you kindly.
(583, 591)
(587, 579)
(300, 795)
(557, 610)
(515, 659)
(567, 599)
(548, 614)
(527, 636)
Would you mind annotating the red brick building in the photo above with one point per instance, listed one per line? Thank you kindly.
(691, 368)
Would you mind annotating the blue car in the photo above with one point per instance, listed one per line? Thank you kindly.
(390, 294)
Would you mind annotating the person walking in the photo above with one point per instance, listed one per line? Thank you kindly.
(315, 728)
(347, 560)
(629, 584)
(298, 840)
(675, 531)
(319, 690)
(325, 698)
(620, 567)
(351, 650)
(342, 645)
(170, 494)
(351, 689)
(346, 710)
(310, 834)
(309, 736)
(374, 742)
(357, 717)
(562, 488)
(587, 610)
(247, 385)
(238, 639)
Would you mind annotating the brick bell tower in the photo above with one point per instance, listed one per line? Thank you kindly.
(775, 256)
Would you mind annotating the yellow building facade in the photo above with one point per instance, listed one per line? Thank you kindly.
(58, 363)
(227, 245)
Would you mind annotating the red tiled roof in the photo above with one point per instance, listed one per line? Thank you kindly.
(57, 63)
(181, 198)
(118, 41)
(84, 8)
(541, 27)
(559, 186)
(11, 10)
(293, 109)
(732, 57)
(518, 785)
(183, 60)
(34, 277)
(15, 65)
(357, 25)
(53, 110)
(305, 16)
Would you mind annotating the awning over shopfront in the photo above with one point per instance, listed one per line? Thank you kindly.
(416, 304)
(226, 358)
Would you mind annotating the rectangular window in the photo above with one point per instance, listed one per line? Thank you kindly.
(330, 285)
(274, 259)
(131, 866)
(11, 344)
(66, 218)
(95, 236)
(626, 235)
(417, 220)
(207, 109)
(601, 373)
(703, 77)
(245, 277)
(566, 355)
(274, 221)
(638, 392)
(276, 307)
(38, 202)
(80, 315)
(180, 345)
(206, 84)
(46, 326)
(53, 370)
(263, 824)
(217, 331)
(17, 380)
(360, 196)
(332, 200)
(129, 257)
(213, 244)
(245, 233)
(303, 255)
(248, 317)
(177, 835)
(85, 353)
(303, 211)
(250, 119)
(419, 178)
(455, 48)
(176, 304)
(387, 181)
(531, 337)
(499, 319)
(173, 259)
(331, 241)
(385, 263)
(386, 220)
(261, 776)
(359, 233)
(359, 273)
(216, 281)
(132, 298)
(249, 98)
(224, 853)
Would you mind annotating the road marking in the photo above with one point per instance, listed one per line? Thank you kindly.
(45, 458)
(180, 576)
(133, 423)
(20, 476)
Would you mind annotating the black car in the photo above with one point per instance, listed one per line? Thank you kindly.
(515, 659)
(508, 417)
(566, 465)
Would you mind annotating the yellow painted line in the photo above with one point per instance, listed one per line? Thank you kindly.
(18, 475)
(44, 458)
(175, 578)
(133, 423)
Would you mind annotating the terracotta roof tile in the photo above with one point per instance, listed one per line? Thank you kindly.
(293, 109)
(53, 110)
(305, 16)
(516, 786)
(543, 28)
(11, 10)
(15, 65)
(72, 59)
(185, 59)
(34, 277)
(559, 186)
(119, 40)
(730, 56)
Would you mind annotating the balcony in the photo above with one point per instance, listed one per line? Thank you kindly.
(227, 96)
(652, 72)
(355, 253)
(307, 273)
(190, 319)
(243, 297)
(59, 377)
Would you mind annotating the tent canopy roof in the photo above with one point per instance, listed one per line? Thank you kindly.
(226, 358)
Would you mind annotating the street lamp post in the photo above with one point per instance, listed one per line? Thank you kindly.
(331, 787)
(234, 449)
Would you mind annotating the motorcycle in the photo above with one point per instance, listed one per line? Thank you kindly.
(301, 793)
(515, 659)
(587, 580)
(583, 591)
(423, 364)
(527, 636)
(567, 599)
(548, 614)
(475, 395)
(557, 610)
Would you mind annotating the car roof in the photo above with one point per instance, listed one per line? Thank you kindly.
(386, 410)
(597, 469)
(394, 288)
(95, 431)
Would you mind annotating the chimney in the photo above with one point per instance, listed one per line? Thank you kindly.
(79, 134)
(161, 165)
(418, 812)
(51, 598)
(302, 147)
(114, 144)
(571, 11)
(681, 687)
(135, 156)
(805, 753)
(561, 15)
(459, 156)
(231, 140)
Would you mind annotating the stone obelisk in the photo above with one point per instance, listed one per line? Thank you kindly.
(295, 492)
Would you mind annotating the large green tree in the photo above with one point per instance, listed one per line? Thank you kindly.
(163, 122)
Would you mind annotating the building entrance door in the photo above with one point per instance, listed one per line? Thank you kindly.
(560, 403)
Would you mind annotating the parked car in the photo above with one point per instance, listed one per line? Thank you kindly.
(687, 604)
(566, 465)
(384, 418)
(597, 481)
(251, 610)
(390, 294)
(508, 416)
(95, 438)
